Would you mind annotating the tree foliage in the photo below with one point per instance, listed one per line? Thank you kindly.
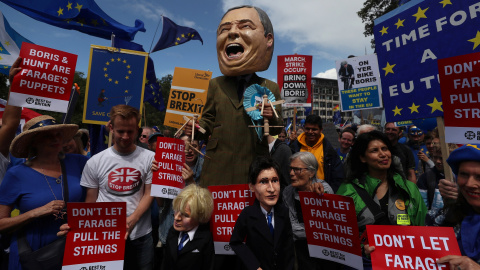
(373, 9)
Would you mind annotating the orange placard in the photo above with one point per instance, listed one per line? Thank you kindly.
(188, 95)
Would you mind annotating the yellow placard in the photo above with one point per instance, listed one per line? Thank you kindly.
(188, 95)
(403, 219)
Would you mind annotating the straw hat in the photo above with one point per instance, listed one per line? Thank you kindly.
(22, 143)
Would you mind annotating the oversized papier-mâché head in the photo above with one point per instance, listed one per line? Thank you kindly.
(244, 41)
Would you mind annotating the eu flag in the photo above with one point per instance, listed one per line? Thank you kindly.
(173, 35)
(81, 15)
(10, 43)
(153, 90)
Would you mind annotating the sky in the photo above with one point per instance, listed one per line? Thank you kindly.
(327, 30)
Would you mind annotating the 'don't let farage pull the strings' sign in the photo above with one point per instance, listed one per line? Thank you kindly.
(331, 228)
(167, 181)
(46, 79)
(96, 239)
(411, 247)
(460, 87)
(228, 203)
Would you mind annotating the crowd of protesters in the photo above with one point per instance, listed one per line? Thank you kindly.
(49, 164)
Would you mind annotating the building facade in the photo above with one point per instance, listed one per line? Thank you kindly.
(325, 97)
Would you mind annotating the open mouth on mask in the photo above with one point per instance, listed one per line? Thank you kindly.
(234, 50)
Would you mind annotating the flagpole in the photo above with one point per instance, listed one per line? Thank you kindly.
(144, 116)
(153, 40)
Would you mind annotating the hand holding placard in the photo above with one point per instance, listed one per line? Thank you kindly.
(96, 235)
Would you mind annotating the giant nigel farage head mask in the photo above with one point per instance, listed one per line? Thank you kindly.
(243, 47)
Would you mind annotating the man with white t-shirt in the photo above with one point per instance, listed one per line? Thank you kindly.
(122, 173)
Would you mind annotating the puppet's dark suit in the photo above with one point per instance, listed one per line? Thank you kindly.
(261, 248)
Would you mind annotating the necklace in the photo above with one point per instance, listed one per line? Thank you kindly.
(58, 181)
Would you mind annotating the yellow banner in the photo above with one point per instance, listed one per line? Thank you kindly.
(188, 95)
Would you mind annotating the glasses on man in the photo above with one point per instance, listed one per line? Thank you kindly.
(415, 131)
(297, 170)
(143, 136)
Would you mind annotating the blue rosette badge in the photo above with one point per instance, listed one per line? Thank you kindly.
(252, 98)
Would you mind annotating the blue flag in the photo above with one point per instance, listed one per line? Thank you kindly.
(173, 35)
(98, 138)
(81, 15)
(10, 43)
(337, 118)
(153, 90)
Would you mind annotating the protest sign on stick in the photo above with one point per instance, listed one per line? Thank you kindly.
(331, 228)
(359, 83)
(228, 203)
(45, 80)
(460, 87)
(115, 76)
(188, 95)
(411, 247)
(167, 181)
(96, 239)
(295, 79)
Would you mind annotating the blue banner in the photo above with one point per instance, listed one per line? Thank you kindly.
(360, 98)
(409, 41)
(81, 15)
(114, 77)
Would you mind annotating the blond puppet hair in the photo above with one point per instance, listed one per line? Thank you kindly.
(198, 199)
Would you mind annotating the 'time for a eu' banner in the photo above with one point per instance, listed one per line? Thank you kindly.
(409, 40)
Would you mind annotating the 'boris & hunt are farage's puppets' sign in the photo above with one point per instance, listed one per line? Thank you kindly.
(167, 181)
(46, 79)
(97, 236)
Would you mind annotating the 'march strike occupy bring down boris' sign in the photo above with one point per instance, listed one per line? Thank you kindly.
(409, 41)
(295, 79)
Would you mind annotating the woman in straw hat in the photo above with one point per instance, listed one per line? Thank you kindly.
(38, 188)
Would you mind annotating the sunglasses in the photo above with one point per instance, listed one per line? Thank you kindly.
(415, 131)
(143, 136)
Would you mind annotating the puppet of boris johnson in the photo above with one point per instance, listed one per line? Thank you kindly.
(244, 46)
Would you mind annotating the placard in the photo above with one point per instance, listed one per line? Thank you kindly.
(96, 239)
(359, 83)
(167, 181)
(45, 80)
(460, 86)
(228, 203)
(331, 228)
(188, 95)
(115, 76)
(411, 247)
(295, 79)
(409, 40)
